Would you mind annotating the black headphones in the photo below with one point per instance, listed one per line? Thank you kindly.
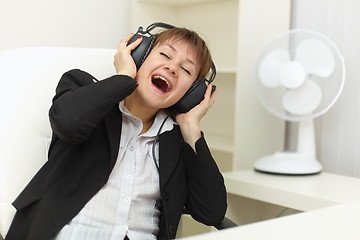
(196, 92)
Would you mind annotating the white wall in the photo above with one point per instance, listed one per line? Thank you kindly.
(338, 131)
(63, 23)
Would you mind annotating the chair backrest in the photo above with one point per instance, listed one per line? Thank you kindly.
(28, 78)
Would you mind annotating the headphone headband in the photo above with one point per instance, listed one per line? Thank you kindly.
(169, 26)
(213, 72)
(152, 26)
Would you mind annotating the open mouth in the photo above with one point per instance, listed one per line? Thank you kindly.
(161, 83)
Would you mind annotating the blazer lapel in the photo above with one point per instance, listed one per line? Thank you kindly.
(169, 153)
(113, 123)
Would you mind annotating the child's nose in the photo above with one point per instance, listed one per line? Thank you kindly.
(172, 68)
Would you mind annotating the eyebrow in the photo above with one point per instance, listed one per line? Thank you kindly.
(174, 49)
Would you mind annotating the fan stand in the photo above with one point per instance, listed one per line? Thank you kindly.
(300, 162)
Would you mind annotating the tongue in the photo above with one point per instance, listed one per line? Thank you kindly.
(160, 84)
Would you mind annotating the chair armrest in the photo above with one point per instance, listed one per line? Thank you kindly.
(225, 223)
(7, 212)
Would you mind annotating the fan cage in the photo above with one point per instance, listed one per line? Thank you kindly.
(271, 98)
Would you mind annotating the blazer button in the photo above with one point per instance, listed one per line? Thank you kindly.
(171, 229)
(165, 196)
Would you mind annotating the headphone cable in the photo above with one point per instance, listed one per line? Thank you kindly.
(154, 143)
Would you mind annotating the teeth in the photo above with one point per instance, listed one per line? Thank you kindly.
(162, 78)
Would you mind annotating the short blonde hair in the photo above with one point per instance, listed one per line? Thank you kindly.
(203, 53)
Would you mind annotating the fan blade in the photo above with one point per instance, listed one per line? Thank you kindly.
(292, 75)
(303, 100)
(316, 57)
(270, 67)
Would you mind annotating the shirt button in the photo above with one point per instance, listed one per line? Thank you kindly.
(132, 148)
(129, 176)
(127, 199)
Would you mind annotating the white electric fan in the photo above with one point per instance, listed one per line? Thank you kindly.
(298, 76)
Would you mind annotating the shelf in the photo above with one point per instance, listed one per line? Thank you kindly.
(218, 124)
(177, 3)
(230, 70)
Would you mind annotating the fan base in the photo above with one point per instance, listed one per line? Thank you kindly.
(288, 163)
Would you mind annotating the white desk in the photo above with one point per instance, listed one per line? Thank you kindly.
(331, 203)
(297, 192)
(332, 223)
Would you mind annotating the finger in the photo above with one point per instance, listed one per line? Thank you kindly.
(210, 96)
(209, 88)
(134, 44)
(213, 97)
(207, 95)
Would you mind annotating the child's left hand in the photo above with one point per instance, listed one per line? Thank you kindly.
(190, 122)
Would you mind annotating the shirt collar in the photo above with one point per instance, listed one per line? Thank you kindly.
(159, 119)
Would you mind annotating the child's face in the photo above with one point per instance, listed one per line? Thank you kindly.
(167, 74)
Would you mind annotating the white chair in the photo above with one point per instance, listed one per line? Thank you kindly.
(28, 78)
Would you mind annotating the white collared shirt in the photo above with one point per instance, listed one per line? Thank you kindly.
(126, 204)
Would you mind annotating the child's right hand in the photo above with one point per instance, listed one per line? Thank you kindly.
(123, 62)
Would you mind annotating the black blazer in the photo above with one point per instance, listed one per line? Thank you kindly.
(86, 124)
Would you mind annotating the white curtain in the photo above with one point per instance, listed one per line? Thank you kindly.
(338, 131)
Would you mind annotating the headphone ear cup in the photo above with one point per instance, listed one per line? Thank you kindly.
(192, 97)
(140, 53)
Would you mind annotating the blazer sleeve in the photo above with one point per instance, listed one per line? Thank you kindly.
(81, 102)
(207, 201)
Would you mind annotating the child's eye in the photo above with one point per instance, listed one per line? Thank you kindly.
(187, 71)
(164, 54)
